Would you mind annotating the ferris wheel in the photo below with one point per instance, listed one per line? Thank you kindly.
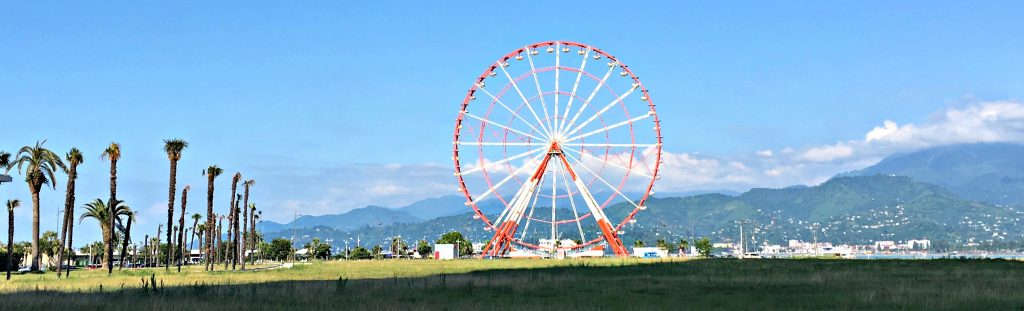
(556, 147)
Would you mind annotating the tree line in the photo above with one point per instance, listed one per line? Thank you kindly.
(41, 167)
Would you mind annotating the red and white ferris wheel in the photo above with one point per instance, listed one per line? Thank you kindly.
(557, 147)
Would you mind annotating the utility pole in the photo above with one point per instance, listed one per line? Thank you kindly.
(743, 251)
(814, 235)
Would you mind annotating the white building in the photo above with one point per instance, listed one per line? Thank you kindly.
(445, 251)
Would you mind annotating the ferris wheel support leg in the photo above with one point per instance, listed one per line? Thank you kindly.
(504, 233)
(610, 236)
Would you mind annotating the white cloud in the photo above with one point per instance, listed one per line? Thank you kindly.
(981, 122)
(828, 153)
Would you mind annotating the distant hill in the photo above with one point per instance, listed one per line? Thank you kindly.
(992, 172)
(351, 220)
(847, 209)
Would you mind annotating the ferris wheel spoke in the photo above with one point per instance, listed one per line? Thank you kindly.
(554, 207)
(558, 57)
(591, 97)
(533, 207)
(503, 181)
(512, 111)
(603, 110)
(608, 145)
(631, 171)
(486, 143)
(540, 93)
(610, 127)
(502, 161)
(572, 203)
(503, 126)
(575, 86)
(605, 182)
(525, 101)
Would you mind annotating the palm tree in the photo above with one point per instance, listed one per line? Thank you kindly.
(220, 241)
(233, 240)
(127, 238)
(173, 148)
(101, 213)
(245, 217)
(211, 173)
(232, 214)
(252, 229)
(11, 205)
(181, 224)
(74, 158)
(195, 231)
(113, 153)
(41, 166)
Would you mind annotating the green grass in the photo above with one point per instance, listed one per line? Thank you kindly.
(544, 284)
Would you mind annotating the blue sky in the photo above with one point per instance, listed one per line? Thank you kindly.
(332, 106)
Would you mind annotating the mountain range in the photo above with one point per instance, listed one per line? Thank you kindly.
(959, 194)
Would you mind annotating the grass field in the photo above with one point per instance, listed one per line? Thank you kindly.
(542, 284)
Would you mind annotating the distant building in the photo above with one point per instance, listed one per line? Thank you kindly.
(885, 245)
(445, 252)
(650, 252)
(919, 244)
(548, 244)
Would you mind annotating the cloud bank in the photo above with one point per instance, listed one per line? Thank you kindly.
(352, 186)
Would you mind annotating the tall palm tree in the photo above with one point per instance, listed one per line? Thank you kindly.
(220, 241)
(127, 238)
(173, 148)
(252, 230)
(11, 205)
(113, 153)
(245, 217)
(211, 173)
(74, 158)
(181, 224)
(195, 231)
(102, 214)
(233, 229)
(256, 239)
(41, 166)
(232, 215)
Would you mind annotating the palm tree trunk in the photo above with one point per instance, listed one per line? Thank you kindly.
(147, 248)
(69, 211)
(252, 227)
(108, 251)
(181, 225)
(10, 242)
(127, 239)
(220, 240)
(71, 234)
(110, 207)
(245, 228)
(209, 223)
(170, 210)
(35, 229)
